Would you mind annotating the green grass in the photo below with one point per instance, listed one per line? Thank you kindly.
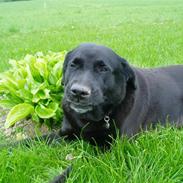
(147, 33)
(153, 157)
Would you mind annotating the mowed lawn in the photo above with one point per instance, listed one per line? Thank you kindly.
(148, 33)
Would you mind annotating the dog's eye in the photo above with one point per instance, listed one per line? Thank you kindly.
(76, 63)
(101, 67)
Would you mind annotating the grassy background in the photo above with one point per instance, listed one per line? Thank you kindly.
(145, 32)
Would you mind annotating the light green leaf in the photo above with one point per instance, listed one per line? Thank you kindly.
(39, 54)
(29, 79)
(46, 112)
(28, 58)
(57, 70)
(18, 113)
(52, 79)
(21, 83)
(41, 94)
(41, 65)
(37, 87)
(34, 70)
(6, 104)
(24, 94)
(40, 91)
(2, 86)
(13, 63)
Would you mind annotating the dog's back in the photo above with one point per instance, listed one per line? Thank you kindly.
(165, 94)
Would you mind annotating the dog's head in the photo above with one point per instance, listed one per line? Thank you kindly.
(95, 80)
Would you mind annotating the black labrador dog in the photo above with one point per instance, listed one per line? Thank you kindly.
(104, 93)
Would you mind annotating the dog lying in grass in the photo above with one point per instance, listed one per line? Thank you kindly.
(102, 93)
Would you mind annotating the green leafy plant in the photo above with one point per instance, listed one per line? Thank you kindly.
(32, 88)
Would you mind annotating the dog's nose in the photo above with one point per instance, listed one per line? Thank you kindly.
(80, 91)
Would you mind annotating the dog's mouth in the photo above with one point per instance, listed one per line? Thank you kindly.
(81, 109)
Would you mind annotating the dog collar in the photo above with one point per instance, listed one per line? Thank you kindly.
(106, 120)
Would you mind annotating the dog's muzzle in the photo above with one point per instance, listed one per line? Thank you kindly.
(79, 97)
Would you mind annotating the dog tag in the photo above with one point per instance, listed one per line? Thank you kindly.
(107, 119)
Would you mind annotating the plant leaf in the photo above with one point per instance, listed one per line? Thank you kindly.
(41, 65)
(41, 94)
(46, 112)
(6, 103)
(18, 113)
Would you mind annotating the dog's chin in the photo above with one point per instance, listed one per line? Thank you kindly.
(80, 109)
(88, 112)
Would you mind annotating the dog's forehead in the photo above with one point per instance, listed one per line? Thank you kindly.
(94, 52)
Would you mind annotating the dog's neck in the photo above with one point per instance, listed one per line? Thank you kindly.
(125, 106)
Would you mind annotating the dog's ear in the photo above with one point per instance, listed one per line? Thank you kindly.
(129, 73)
(66, 61)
